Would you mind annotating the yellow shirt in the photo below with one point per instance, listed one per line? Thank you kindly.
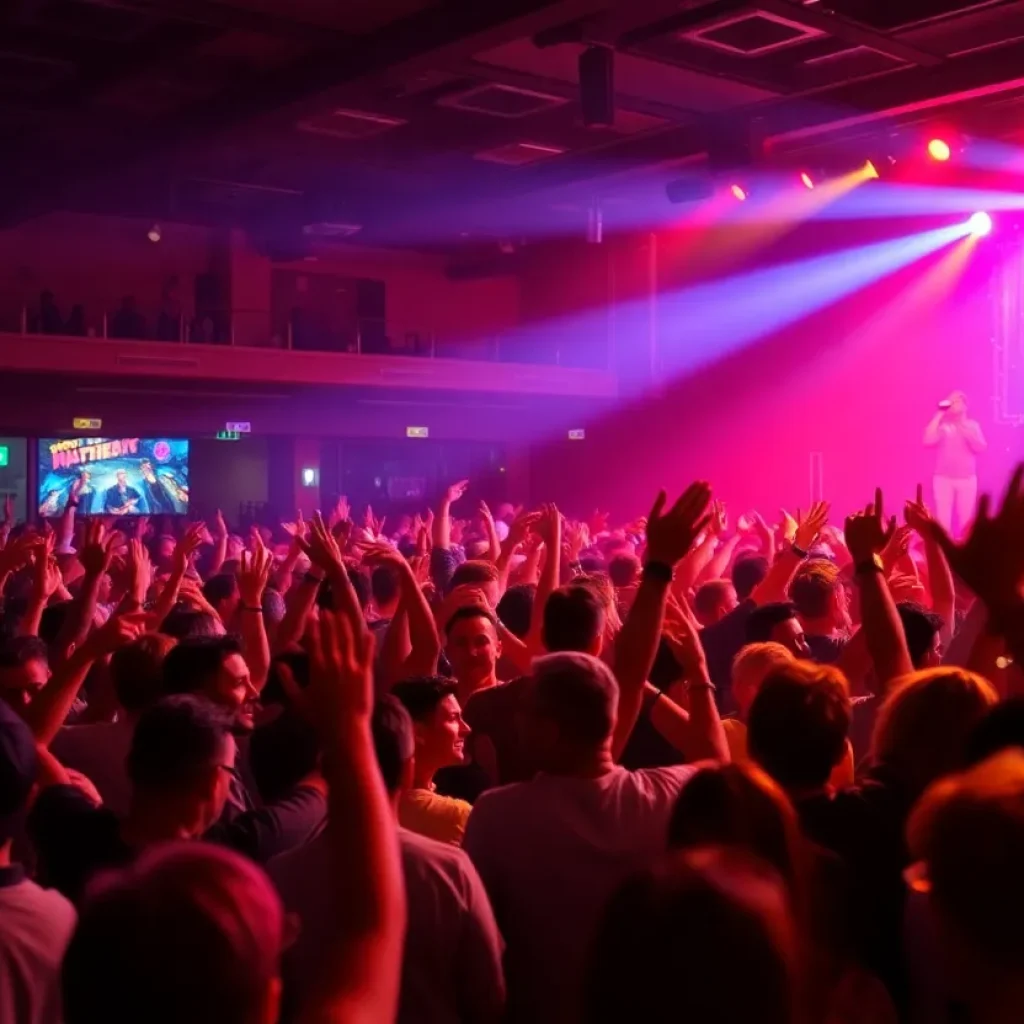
(437, 817)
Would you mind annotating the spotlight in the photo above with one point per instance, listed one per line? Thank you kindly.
(738, 192)
(154, 234)
(807, 180)
(870, 170)
(938, 149)
(979, 225)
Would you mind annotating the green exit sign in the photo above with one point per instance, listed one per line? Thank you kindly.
(229, 435)
(5, 454)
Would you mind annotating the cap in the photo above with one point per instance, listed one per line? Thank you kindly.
(19, 766)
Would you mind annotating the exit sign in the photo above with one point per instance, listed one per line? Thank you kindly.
(5, 454)
(84, 423)
(417, 431)
(228, 435)
(577, 435)
(242, 427)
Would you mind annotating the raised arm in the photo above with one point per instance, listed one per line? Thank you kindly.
(670, 535)
(940, 576)
(775, 586)
(361, 961)
(866, 536)
(490, 532)
(220, 544)
(517, 533)
(45, 581)
(97, 554)
(184, 549)
(549, 528)
(253, 574)
(442, 530)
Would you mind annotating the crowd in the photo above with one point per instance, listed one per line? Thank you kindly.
(514, 767)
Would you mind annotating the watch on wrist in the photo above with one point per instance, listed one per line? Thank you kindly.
(797, 550)
(661, 572)
(870, 565)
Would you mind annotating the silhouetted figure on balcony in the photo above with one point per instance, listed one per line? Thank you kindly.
(128, 322)
(168, 323)
(50, 320)
(75, 327)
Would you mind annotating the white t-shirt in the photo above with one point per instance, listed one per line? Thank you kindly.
(451, 970)
(99, 750)
(35, 928)
(551, 852)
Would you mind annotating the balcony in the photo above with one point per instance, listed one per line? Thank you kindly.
(420, 361)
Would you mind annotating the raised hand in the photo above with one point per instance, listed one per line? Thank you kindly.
(298, 528)
(991, 560)
(808, 528)
(868, 532)
(46, 576)
(186, 547)
(98, 549)
(340, 674)
(253, 573)
(548, 526)
(221, 526)
(917, 516)
(456, 491)
(342, 510)
(598, 522)
(787, 526)
(140, 570)
(719, 522)
(382, 553)
(520, 528)
(142, 527)
(118, 631)
(321, 547)
(671, 534)
(577, 537)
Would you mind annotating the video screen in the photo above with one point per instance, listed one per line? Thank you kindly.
(114, 476)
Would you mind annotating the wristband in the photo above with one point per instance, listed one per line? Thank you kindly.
(250, 608)
(868, 566)
(798, 551)
(659, 572)
(701, 684)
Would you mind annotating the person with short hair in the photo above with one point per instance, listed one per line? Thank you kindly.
(24, 669)
(482, 575)
(550, 851)
(713, 601)
(822, 604)
(215, 668)
(35, 923)
(750, 668)
(452, 961)
(440, 734)
(777, 622)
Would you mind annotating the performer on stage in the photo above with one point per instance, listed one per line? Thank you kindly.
(957, 441)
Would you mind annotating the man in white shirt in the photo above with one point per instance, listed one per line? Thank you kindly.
(451, 971)
(35, 924)
(552, 851)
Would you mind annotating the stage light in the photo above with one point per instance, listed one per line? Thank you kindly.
(738, 192)
(154, 234)
(939, 150)
(870, 170)
(806, 180)
(979, 225)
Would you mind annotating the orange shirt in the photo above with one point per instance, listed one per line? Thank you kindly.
(437, 817)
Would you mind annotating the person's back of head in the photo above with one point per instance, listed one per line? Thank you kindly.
(624, 570)
(762, 621)
(574, 620)
(474, 573)
(925, 724)
(393, 741)
(137, 671)
(571, 710)
(221, 590)
(815, 592)
(751, 666)
(194, 663)
(191, 932)
(747, 572)
(283, 752)
(1000, 728)
(738, 805)
(384, 586)
(966, 837)
(798, 724)
(921, 628)
(515, 609)
(710, 932)
(178, 743)
(187, 624)
(713, 601)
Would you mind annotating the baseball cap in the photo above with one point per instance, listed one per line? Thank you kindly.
(19, 767)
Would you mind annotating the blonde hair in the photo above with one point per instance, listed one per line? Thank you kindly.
(755, 662)
(925, 723)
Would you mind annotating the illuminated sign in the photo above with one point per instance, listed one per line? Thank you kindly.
(84, 423)
(577, 435)
(417, 431)
(242, 427)
(228, 435)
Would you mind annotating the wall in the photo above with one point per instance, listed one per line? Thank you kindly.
(226, 474)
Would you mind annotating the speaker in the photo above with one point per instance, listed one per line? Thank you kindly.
(597, 86)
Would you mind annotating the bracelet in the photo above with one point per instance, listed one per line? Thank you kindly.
(868, 566)
(659, 572)
(701, 684)
(250, 608)
(798, 551)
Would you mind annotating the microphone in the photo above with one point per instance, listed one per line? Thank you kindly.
(945, 404)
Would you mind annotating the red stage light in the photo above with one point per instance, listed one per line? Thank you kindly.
(808, 181)
(939, 150)
(738, 192)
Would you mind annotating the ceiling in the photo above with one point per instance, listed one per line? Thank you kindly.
(427, 122)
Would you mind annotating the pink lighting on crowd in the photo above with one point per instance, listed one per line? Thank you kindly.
(938, 149)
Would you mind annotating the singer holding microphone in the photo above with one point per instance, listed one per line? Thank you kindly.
(957, 441)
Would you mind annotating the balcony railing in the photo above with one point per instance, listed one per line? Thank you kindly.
(241, 347)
